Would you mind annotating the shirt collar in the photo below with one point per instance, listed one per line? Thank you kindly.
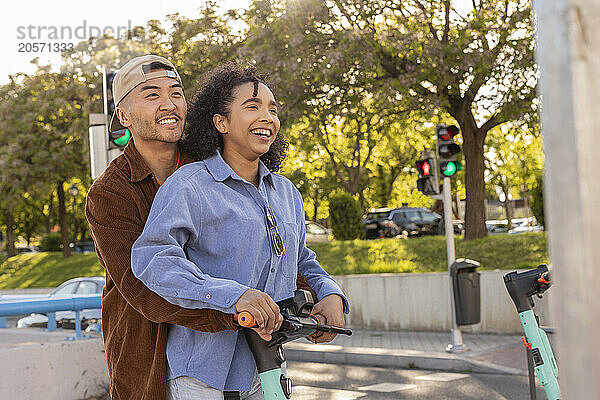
(138, 167)
(220, 170)
(139, 170)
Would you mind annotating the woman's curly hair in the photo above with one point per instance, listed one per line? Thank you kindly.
(200, 136)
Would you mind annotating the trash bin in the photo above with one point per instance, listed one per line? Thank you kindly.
(467, 291)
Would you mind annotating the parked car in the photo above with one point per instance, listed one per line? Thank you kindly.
(522, 225)
(66, 319)
(496, 226)
(83, 247)
(406, 221)
(316, 232)
(27, 249)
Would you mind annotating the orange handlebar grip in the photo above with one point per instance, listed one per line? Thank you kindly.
(543, 279)
(246, 319)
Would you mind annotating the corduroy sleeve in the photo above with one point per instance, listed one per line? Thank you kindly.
(115, 225)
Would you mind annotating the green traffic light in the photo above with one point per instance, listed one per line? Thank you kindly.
(450, 168)
(122, 141)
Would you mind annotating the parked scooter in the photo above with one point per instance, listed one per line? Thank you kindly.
(521, 287)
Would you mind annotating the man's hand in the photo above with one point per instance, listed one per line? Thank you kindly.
(329, 311)
(264, 310)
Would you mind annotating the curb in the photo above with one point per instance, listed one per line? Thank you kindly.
(391, 358)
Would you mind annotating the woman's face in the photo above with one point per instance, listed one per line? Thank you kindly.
(253, 123)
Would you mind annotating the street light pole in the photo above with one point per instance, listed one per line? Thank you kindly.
(457, 345)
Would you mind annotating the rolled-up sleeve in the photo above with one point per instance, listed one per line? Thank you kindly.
(158, 256)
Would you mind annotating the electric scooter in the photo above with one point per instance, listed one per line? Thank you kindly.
(521, 287)
(297, 323)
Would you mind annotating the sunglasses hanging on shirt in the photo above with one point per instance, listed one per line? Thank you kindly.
(274, 232)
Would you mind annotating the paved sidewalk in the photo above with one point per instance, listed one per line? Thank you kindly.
(424, 350)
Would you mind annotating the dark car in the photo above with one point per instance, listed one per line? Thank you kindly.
(83, 247)
(406, 221)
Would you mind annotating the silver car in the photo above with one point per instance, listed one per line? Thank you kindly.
(316, 233)
(66, 319)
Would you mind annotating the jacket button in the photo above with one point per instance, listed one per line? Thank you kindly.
(174, 293)
(208, 296)
(272, 269)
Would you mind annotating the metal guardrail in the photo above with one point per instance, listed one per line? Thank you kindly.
(49, 306)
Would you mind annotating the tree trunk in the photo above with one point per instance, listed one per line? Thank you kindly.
(474, 183)
(316, 203)
(10, 234)
(50, 210)
(64, 230)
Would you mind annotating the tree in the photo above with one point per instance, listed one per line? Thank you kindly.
(513, 158)
(46, 137)
(477, 67)
(345, 216)
(537, 199)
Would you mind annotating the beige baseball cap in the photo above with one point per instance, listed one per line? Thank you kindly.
(133, 73)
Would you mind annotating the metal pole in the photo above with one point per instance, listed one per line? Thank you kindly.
(74, 224)
(456, 346)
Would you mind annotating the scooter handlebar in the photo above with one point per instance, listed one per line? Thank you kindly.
(246, 320)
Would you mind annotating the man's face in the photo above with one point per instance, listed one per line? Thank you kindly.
(154, 110)
(253, 123)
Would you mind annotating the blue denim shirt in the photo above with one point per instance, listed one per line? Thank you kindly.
(205, 242)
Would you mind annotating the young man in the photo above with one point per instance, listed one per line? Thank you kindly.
(149, 97)
(225, 227)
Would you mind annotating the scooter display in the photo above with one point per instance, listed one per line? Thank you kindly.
(297, 323)
(521, 288)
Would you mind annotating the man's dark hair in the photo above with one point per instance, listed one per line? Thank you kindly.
(200, 136)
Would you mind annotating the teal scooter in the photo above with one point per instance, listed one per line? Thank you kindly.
(297, 323)
(521, 287)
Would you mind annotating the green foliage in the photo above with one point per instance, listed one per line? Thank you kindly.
(537, 200)
(428, 254)
(345, 217)
(51, 242)
(514, 157)
(45, 270)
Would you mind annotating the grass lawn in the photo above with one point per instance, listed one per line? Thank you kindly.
(45, 270)
(428, 254)
(425, 254)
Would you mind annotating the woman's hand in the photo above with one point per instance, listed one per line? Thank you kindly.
(264, 310)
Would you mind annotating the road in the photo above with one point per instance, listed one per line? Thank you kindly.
(312, 381)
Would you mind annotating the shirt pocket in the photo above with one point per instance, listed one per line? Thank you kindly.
(234, 249)
(291, 237)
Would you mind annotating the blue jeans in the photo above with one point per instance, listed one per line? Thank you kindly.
(188, 388)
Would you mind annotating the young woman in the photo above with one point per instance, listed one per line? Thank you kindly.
(227, 233)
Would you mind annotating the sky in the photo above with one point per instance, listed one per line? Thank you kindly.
(35, 21)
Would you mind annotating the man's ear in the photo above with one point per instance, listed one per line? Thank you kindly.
(220, 122)
(123, 116)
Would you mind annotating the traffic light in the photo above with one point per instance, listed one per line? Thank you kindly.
(447, 150)
(428, 180)
(120, 138)
(109, 103)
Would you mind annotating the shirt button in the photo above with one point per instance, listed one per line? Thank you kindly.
(174, 293)
(227, 301)
(208, 296)
(272, 269)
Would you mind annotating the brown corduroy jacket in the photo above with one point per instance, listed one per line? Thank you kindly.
(134, 319)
